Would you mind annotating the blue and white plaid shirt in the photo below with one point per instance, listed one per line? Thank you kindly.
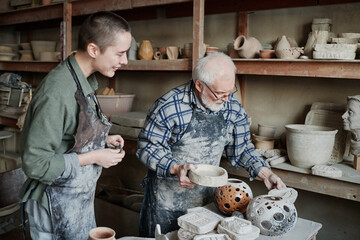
(168, 120)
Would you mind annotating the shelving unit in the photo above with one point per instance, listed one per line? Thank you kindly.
(70, 10)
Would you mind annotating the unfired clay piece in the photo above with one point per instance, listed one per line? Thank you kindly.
(288, 194)
(208, 175)
(199, 223)
(253, 234)
(326, 171)
(158, 235)
(236, 225)
(334, 55)
(211, 210)
(212, 237)
(277, 160)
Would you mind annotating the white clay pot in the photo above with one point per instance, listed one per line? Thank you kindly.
(247, 47)
(309, 145)
(273, 215)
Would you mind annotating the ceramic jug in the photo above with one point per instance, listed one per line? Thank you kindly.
(247, 47)
(146, 51)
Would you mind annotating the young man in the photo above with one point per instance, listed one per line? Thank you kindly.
(65, 133)
(193, 124)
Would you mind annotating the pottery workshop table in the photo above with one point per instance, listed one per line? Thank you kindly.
(303, 230)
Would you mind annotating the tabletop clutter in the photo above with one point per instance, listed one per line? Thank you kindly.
(235, 213)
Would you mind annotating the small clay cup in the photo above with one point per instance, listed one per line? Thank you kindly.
(101, 233)
(172, 52)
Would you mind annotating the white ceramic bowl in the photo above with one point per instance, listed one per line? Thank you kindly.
(42, 46)
(309, 145)
(208, 175)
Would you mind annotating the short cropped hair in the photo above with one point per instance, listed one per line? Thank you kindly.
(206, 74)
(100, 28)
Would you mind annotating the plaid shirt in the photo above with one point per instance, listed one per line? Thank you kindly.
(168, 120)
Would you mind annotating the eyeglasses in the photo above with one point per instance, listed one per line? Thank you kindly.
(223, 97)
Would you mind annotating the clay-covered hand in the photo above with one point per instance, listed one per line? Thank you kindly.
(115, 140)
(103, 157)
(271, 180)
(181, 171)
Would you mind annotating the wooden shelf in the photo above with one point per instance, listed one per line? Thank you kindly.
(158, 65)
(333, 187)
(299, 68)
(136, 65)
(33, 66)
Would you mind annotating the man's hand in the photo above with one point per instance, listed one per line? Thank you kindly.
(270, 179)
(181, 171)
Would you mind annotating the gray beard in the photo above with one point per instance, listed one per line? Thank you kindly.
(209, 104)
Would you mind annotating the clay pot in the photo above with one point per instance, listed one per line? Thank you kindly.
(26, 55)
(309, 145)
(266, 131)
(132, 52)
(162, 50)
(102, 233)
(42, 46)
(289, 53)
(210, 50)
(46, 2)
(283, 43)
(172, 52)
(234, 196)
(187, 50)
(231, 51)
(146, 51)
(247, 47)
(267, 54)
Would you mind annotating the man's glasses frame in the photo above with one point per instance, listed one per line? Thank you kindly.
(221, 98)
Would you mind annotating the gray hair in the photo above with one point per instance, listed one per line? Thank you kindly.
(356, 98)
(202, 73)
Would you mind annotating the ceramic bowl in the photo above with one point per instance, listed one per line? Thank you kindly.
(42, 46)
(309, 145)
(5, 49)
(25, 46)
(208, 175)
(267, 53)
(7, 56)
(289, 53)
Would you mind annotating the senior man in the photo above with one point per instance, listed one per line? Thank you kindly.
(193, 124)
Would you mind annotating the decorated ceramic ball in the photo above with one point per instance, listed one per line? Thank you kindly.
(234, 196)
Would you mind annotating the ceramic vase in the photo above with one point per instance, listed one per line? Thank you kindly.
(146, 51)
(247, 47)
(234, 196)
(132, 52)
(283, 43)
(172, 52)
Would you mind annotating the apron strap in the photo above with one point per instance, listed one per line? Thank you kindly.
(23, 220)
(76, 79)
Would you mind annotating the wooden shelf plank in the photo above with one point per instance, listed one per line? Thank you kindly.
(328, 186)
(92, 6)
(34, 66)
(299, 68)
(158, 65)
(145, 3)
(32, 14)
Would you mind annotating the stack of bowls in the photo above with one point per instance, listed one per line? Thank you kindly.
(6, 53)
(42, 46)
(26, 52)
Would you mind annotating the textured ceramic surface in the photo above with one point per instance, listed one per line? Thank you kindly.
(247, 47)
(288, 194)
(208, 175)
(272, 215)
(234, 196)
(309, 145)
(198, 223)
(289, 53)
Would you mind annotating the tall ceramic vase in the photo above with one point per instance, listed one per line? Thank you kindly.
(247, 47)
(146, 51)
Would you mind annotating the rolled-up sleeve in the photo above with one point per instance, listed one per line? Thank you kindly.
(153, 144)
(42, 136)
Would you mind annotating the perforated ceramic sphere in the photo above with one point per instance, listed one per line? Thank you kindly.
(235, 196)
(273, 215)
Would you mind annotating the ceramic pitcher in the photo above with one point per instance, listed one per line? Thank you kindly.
(146, 51)
(247, 47)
